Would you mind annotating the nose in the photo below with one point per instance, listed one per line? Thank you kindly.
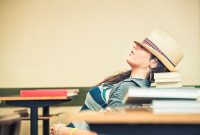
(135, 46)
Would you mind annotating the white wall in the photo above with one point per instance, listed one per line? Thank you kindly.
(59, 43)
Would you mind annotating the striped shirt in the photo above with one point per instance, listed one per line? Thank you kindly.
(100, 97)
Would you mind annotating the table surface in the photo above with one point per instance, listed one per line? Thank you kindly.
(34, 103)
(131, 117)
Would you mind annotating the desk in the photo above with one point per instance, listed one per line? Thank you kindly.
(140, 123)
(34, 103)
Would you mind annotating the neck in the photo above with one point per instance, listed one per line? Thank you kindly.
(139, 73)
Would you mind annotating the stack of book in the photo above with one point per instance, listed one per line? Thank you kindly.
(168, 101)
(167, 80)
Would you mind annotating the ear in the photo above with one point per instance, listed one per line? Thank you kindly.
(153, 63)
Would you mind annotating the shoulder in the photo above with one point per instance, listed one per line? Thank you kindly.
(137, 82)
(128, 83)
(100, 88)
(94, 89)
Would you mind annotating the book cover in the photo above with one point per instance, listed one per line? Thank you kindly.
(177, 104)
(168, 84)
(176, 111)
(42, 93)
(168, 80)
(141, 96)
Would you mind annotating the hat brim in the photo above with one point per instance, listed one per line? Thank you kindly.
(162, 58)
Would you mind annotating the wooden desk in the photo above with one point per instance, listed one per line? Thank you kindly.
(140, 123)
(34, 103)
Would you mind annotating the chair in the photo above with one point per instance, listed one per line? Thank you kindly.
(10, 124)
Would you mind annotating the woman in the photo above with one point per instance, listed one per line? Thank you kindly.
(157, 53)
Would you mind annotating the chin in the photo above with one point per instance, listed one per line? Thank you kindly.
(129, 63)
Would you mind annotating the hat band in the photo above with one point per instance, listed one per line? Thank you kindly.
(151, 44)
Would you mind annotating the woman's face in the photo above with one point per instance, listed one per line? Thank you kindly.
(139, 57)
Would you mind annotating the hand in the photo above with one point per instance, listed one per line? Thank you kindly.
(108, 109)
(55, 128)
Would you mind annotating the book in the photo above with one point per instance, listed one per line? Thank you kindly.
(153, 85)
(189, 104)
(175, 106)
(198, 99)
(167, 75)
(168, 84)
(168, 80)
(47, 92)
(176, 111)
(145, 96)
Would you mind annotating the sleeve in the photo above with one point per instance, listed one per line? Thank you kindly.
(118, 94)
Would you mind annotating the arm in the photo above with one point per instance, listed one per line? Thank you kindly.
(118, 95)
(93, 101)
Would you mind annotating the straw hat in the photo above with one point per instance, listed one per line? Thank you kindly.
(164, 47)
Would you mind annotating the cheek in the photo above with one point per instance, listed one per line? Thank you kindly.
(144, 60)
(134, 60)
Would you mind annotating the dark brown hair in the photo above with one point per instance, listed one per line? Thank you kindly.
(159, 68)
(124, 75)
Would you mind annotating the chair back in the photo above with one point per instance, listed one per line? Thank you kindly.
(10, 124)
